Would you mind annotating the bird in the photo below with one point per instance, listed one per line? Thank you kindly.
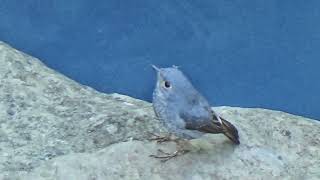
(183, 111)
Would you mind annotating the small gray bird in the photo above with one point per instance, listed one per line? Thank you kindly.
(183, 110)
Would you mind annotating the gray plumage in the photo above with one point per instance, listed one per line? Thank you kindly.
(183, 110)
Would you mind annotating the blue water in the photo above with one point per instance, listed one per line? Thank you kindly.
(237, 52)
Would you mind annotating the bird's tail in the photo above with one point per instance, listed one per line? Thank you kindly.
(230, 131)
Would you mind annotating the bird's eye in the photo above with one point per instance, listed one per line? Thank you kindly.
(167, 84)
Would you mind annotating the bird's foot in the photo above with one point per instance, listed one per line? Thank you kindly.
(159, 139)
(167, 156)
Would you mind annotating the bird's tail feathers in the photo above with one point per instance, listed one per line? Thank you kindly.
(230, 131)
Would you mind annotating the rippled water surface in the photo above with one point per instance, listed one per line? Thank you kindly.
(237, 53)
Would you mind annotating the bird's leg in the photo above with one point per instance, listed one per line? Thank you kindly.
(160, 139)
(167, 156)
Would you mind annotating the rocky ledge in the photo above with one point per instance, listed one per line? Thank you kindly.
(54, 128)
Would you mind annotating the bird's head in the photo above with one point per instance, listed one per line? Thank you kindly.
(172, 84)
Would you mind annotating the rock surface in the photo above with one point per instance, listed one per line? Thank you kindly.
(53, 128)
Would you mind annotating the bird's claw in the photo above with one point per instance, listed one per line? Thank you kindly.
(168, 156)
(158, 138)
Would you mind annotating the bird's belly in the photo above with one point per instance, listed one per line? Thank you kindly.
(179, 130)
(189, 134)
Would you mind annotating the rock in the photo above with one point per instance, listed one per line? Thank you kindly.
(53, 128)
(275, 145)
(45, 115)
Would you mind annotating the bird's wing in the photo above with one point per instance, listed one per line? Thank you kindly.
(199, 116)
(211, 126)
(201, 123)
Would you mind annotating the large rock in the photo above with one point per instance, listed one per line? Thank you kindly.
(53, 128)
(44, 115)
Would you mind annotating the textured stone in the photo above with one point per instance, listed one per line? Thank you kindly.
(44, 114)
(275, 145)
(53, 128)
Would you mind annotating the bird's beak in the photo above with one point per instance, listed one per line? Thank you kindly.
(155, 68)
(158, 71)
